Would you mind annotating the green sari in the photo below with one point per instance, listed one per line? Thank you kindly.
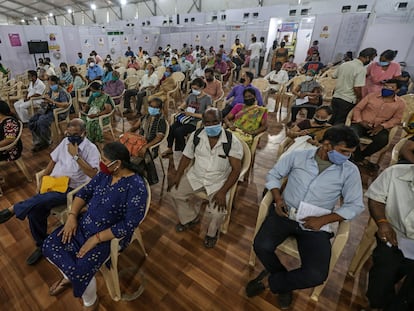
(97, 105)
(246, 120)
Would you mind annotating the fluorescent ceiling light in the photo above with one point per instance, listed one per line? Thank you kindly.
(93, 6)
(51, 14)
(70, 11)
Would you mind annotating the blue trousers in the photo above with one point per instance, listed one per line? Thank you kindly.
(314, 249)
(37, 209)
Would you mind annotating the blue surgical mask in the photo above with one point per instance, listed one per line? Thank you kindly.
(167, 74)
(153, 111)
(75, 139)
(146, 71)
(54, 87)
(183, 59)
(196, 92)
(95, 94)
(337, 158)
(383, 64)
(387, 92)
(213, 130)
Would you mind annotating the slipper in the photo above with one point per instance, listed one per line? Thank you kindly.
(210, 242)
(188, 225)
(59, 287)
(166, 154)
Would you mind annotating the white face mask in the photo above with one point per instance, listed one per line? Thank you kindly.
(308, 78)
(91, 64)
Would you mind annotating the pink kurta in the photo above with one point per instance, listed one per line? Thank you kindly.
(376, 74)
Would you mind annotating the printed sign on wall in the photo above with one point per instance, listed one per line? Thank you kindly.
(53, 42)
(15, 39)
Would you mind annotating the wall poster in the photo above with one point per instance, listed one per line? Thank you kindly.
(15, 39)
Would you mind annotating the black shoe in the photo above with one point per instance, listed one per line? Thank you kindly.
(256, 287)
(5, 215)
(284, 300)
(34, 257)
(188, 225)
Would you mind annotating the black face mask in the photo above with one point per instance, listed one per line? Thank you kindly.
(75, 139)
(249, 101)
(242, 80)
(320, 122)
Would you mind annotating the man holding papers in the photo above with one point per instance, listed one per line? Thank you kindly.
(316, 180)
(390, 202)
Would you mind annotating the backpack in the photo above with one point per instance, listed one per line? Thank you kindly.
(226, 146)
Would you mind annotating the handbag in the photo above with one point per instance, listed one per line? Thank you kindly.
(183, 119)
(133, 142)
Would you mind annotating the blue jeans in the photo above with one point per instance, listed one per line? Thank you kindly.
(314, 249)
(37, 209)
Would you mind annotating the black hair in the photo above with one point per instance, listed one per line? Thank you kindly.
(199, 82)
(254, 39)
(249, 90)
(328, 109)
(63, 65)
(279, 64)
(96, 86)
(54, 79)
(274, 46)
(32, 73)
(393, 81)
(262, 39)
(158, 101)
(340, 134)
(5, 109)
(109, 66)
(368, 52)
(116, 151)
(389, 54)
(209, 70)
(316, 42)
(282, 44)
(250, 75)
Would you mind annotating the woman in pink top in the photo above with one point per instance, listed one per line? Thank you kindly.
(381, 71)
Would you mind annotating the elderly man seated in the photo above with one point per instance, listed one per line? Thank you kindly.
(374, 116)
(277, 77)
(114, 87)
(40, 123)
(75, 157)
(36, 89)
(390, 202)
(217, 158)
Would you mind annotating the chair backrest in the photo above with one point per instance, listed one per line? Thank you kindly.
(395, 153)
(148, 203)
(160, 72)
(132, 82)
(295, 81)
(328, 87)
(262, 84)
(246, 161)
(140, 73)
(167, 132)
(409, 106)
(178, 76)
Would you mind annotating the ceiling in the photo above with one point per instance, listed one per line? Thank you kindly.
(30, 8)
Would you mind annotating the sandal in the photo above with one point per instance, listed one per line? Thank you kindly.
(166, 154)
(188, 225)
(59, 287)
(210, 242)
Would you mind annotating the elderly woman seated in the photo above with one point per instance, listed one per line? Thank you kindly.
(248, 119)
(111, 205)
(114, 87)
(40, 123)
(315, 127)
(98, 104)
(309, 96)
(191, 113)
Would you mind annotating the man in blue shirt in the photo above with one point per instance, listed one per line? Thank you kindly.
(314, 177)
(95, 72)
(237, 93)
(129, 53)
(80, 61)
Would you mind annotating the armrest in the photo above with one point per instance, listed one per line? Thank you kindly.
(38, 177)
(71, 195)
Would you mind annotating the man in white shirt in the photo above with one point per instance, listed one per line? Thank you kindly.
(262, 55)
(75, 157)
(36, 89)
(148, 82)
(390, 202)
(199, 70)
(254, 50)
(277, 77)
(217, 156)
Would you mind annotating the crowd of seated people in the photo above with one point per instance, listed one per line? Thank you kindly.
(245, 116)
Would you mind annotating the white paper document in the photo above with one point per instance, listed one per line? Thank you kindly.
(191, 109)
(306, 210)
(406, 246)
(301, 101)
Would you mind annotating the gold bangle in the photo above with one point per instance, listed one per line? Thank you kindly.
(382, 220)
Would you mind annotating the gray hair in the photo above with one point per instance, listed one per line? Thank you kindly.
(77, 122)
(214, 111)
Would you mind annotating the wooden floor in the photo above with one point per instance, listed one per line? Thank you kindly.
(180, 273)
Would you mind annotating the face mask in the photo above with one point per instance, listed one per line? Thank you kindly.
(91, 64)
(80, 56)
(319, 121)
(213, 130)
(146, 71)
(75, 139)
(291, 59)
(242, 80)
(183, 59)
(308, 78)
(153, 111)
(115, 78)
(108, 60)
(337, 158)
(383, 64)
(387, 92)
(167, 74)
(105, 168)
(95, 94)
(196, 92)
(249, 101)
(54, 87)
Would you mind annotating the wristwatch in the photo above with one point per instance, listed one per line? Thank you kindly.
(76, 157)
